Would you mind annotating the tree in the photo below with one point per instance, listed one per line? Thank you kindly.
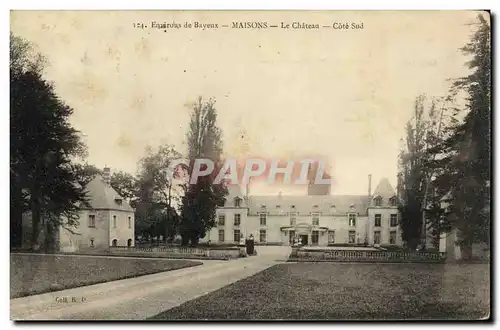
(85, 173)
(125, 184)
(42, 145)
(201, 199)
(157, 195)
(22, 59)
(416, 193)
(466, 151)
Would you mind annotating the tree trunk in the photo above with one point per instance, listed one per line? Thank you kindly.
(169, 204)
(16, 216)
(184, 239)
(35, 223)
(466, 252)
(49, 237)
(16, 228)
(194, 239)
(413, 243)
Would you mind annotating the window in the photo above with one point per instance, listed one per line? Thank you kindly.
(130, 222)
(393, 201)
(315, 219)
(115, 242)
(263, 219)
(293, 218)
(378, 201)
(352, 237)
(331, 236)
(394, 220)
(315, 237)
(352, 220)
(236, 235)
(291, 237)
(91, 242)
(221, 235)
(92, 221)
(262, 236)
(278, 206)
(222, 219)
(392, 237)
(129, 242)
(376, 237)
(237, 202)
(378, 220)
(237, 219)
(114, 221)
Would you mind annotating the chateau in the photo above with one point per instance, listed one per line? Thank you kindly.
(317, 218)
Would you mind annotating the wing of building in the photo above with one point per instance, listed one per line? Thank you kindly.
(315, 219)
(109, 221)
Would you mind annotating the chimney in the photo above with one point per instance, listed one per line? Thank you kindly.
(369, 185)
(106, 175)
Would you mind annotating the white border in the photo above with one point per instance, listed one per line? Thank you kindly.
(191, 4)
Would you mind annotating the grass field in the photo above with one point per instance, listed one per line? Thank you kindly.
(34, 274)
(333, 291)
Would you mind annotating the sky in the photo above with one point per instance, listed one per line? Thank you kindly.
(341, 95)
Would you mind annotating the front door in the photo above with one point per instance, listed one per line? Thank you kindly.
(304, 239)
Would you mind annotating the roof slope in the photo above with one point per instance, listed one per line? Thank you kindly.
(102, 196)
(340, 204)
(384, 189)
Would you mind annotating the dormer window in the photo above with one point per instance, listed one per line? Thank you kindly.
(263, 206)
(118, 200)
(278, 206)
(378, 201)
(293, 206)
(237, 202)
(315, 206)
(393, 201)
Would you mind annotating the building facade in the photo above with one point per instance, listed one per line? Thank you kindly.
(315, 219)
(109, 221)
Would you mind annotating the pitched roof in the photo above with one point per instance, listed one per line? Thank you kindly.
(340, 204)
(235, 190)
(384, 189)
(102, 196)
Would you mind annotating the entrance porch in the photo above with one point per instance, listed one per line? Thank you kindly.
(306, 234)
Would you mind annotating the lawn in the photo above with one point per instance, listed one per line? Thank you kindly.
(334, 291)
(35, 274)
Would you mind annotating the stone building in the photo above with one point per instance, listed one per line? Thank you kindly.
(316, 219)
(109, 221)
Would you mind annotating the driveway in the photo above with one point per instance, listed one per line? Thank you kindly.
(144, 296)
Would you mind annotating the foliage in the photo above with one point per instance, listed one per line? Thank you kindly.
(42, 145)
(200, 200)
(466, 152)
(414, 185)
(156, 194)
